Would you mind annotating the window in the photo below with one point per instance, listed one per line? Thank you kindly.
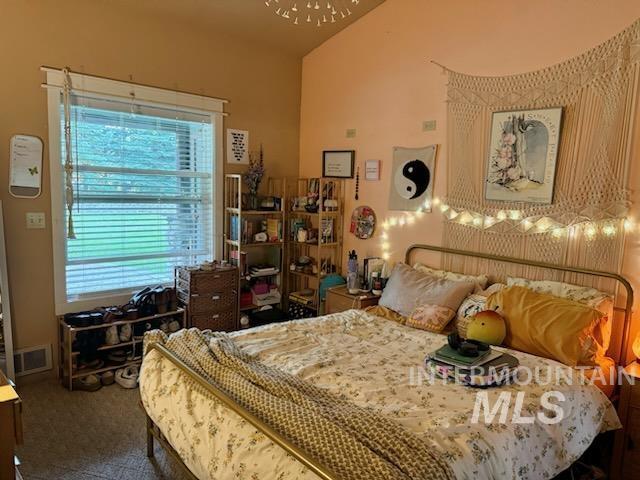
(143, 195)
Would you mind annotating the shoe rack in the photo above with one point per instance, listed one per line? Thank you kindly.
(69, 368)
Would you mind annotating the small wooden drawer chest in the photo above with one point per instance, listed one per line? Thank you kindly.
(210, 297)
(339, 300)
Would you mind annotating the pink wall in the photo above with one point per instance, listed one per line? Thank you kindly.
(375, 76)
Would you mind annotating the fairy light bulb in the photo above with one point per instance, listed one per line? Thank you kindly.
(436, 201)
(628, 224)
(402, 221)
(444, 208)
(609, 230)
(557, 232)
(501, 216)
(385, 246)
(393, 221)
(527, 224)
(489, 221)
(385, 235)
(386, 256)
(477, 221)
(385, 225)
(515, 214)
(411, 219)
(590, 231)
(427, 205)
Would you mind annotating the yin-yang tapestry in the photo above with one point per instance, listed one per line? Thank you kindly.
(413, 175)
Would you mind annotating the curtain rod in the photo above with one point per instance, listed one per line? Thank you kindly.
(123, 83)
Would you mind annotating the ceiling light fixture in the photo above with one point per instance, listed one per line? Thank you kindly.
(316, 12)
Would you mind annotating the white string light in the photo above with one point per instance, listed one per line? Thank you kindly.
(543, 225)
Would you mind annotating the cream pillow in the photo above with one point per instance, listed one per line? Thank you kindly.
(473, 304)
(480, 281)
(408, 289)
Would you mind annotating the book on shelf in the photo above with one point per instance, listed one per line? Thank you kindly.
(274, 229)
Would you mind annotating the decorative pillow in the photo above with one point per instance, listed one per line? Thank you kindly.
(473, 304)
(480, 281)
(548, 326)
(407, 289)
(586, 295)
(468, 308)
(430, 317)
(384, 312)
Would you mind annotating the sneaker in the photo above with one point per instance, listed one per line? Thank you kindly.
(125, 333)
(127, 377)
(112, 336)
(174, 326)
(108, 378)
(164, 326)
(90, 383)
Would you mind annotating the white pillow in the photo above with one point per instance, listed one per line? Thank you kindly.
(473, 304)
(480, 281)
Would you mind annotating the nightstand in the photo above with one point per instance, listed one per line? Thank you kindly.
(626, 448)
(339, 300)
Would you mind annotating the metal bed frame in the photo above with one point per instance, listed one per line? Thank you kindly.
(154, 433)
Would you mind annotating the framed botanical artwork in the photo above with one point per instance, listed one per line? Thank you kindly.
(412, 177)
(522, 155)
(338, 163)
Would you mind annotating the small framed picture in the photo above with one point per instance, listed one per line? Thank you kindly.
(338, 163)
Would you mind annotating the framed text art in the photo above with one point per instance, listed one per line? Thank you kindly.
(338, 163)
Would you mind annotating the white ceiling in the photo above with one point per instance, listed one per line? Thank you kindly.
(251, 19)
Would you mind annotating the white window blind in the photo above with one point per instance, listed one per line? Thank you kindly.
(142, 196)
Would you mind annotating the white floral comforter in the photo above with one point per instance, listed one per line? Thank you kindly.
(370, 361)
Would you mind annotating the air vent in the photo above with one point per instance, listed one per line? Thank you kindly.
(32, 360)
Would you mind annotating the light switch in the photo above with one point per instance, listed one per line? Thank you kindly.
(428, 125)
(35, 220)
(351, 133)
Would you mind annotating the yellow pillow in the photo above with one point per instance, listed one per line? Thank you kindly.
(384, 312)
(548, 326)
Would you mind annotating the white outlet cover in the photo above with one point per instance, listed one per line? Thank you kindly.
(35, 220)
(428, 125)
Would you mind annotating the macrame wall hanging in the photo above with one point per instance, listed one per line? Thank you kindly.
(598, 92)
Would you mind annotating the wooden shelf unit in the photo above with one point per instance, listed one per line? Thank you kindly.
(327, 252)
(271, 252)
(67, 369)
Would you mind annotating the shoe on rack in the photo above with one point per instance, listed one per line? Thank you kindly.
(125, 333)
(94, 364)
(117, 357)
(174, 326)
(108, 378)
(127, 377)
(139, 329)
(112, 336)
(90, 383)
(164, 326)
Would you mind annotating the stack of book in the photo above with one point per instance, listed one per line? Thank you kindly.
(489, 368)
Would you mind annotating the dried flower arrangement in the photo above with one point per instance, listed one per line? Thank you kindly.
(254, 174)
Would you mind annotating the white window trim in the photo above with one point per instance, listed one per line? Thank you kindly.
(102, 87)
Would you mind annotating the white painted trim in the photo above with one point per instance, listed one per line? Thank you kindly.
(6, 303)
(105, 88)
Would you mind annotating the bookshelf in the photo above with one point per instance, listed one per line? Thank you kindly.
(315, 205)
(245, 250)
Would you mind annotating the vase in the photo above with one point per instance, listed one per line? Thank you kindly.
(252, 202)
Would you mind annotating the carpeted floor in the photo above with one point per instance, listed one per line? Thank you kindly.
(87, 436)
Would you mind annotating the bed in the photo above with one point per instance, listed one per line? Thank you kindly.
(374, 363)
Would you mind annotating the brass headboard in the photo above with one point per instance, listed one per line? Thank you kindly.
(627, 309)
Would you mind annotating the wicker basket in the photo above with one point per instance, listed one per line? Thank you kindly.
(198, 281)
